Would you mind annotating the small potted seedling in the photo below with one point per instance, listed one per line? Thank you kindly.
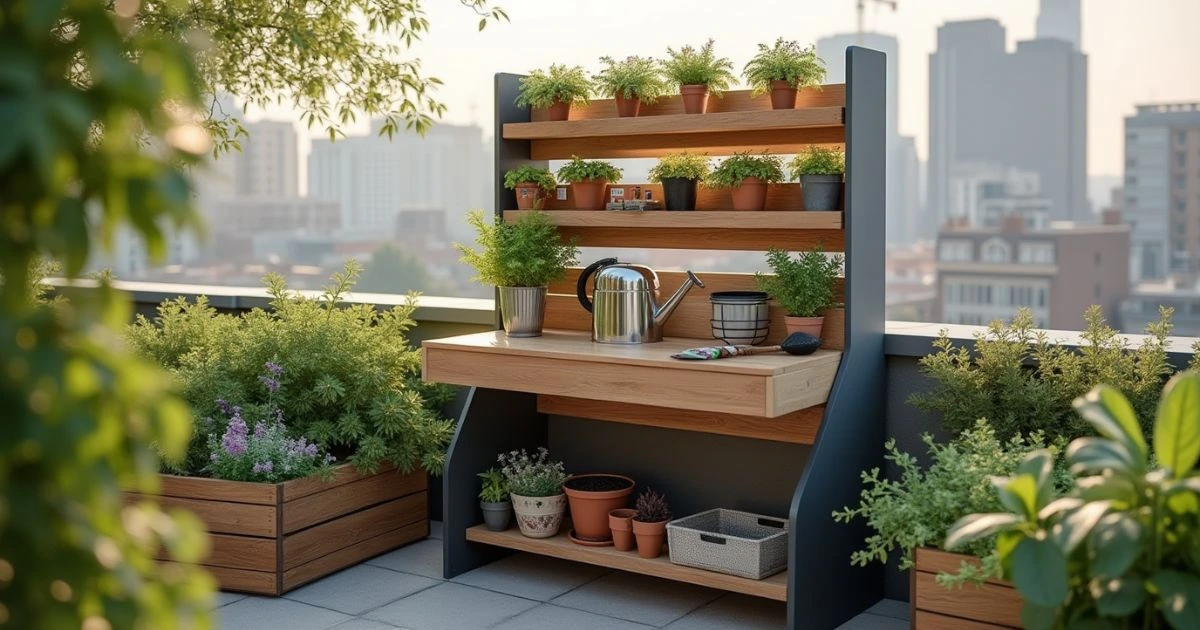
(632, 81)
(747, 177)
(782, 70)
(698, 73)
(493, 500)
(802, 286)
(679, 173)
(531, 184)
(588, 180)
(820, 171)
(555, 90)
(535, 485)
(650, 523)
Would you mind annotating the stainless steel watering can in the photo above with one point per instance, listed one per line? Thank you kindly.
(624, 306)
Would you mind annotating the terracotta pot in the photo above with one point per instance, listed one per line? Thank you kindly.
(620, 522)
(592, 497)
(559, 111)
(528, 195)
(539, 517)
(751, 194)
(810, 325)
(783, 95)
(589, 194)
(628, 107)
(695, 98)
(650, 538)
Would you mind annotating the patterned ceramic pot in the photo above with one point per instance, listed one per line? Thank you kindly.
(539, 517)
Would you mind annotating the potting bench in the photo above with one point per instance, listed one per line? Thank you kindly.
(776, 434)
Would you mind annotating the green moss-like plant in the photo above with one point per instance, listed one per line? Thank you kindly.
(733, 169)
(692, 66)
(802, 286)
(785, 61)
(818, 161)
(495, 487)
(560, 83)
(526, 174)
(680, 165)
(578, 170)
(632, 77)
(528, 253)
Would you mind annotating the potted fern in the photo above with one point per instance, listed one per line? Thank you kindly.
(493, 500)
(555, 90)
(782, 70)
(747, 177)
(588, 179)
(632, 81)
(820, 170)
(650, 523)
(520, 259)
(679, 173)
(802, 286)
(698, 73)
(531, 185)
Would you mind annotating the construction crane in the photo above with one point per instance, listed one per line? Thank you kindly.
(861, 5)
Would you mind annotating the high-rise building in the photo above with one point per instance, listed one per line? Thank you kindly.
(1162, 189)
(268, 164)
(1060, 19)
(907, 199)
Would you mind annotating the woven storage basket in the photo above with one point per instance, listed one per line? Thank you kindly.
(727, 541)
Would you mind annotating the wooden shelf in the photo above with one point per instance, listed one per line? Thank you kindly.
(773, 587)
(568, 363)
(715, 219)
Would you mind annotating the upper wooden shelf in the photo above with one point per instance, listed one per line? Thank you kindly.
(568, 363)
(724, 219)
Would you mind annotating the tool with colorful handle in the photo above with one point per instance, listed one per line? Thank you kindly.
(796, 343)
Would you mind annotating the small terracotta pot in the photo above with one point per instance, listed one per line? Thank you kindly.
(628, 107)
(751, 194)
(528, 195)
(650, 538)
(783, 95)
(695, 98)
(559, 111)
(589, 194)
(590, 508)
(620, 522)
(810, 325)
(539, 517)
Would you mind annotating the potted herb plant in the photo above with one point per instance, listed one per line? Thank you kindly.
(747, 177)
(802, 286)
(493, 500)
(782, 70)
(620, 523)
(588, 180)
(698, 73)
(555, 90)
(650, 523)
(535, 485)
(632, 81)
(520, 259)
(531, 184)
(591, 498)
(679, 173)
(820, 170)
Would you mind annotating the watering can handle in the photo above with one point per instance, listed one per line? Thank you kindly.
(581, 285)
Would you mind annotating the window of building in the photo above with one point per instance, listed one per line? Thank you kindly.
(1131, 180)
(1097, 259)
(1181, 137)
(996, 251)
(1131, 162)
(1035, 253)
(954, 251)
(1041, 297)
(1180, 181)
(1180, 159)
(1096, 291)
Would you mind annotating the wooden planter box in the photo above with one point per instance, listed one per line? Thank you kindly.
(992, 605)
(268, 538)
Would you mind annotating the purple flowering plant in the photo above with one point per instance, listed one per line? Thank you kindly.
(265, 452)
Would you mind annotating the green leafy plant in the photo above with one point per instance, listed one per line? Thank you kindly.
(495, 487)
(532, 475)
(1121, 548)
(632, 77)
(528, 253)
(818, 161)
(542, 88)
(354, 382)
(578, 170)
(691, 66)
(733, 169)
(651, 507)
(785, 61)
(526, 174)
(1021, 381)
(682, 165)
(802, 286)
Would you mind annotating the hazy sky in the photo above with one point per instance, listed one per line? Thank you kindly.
(1138, 51)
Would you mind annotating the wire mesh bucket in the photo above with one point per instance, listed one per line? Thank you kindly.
(740, 317)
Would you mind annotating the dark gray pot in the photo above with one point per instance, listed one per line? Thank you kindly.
(679, 193)
(496, 515)
(822, 192)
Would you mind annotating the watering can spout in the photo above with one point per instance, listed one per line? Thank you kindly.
(663, 313)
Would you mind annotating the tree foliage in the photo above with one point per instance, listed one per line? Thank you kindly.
(392, 270)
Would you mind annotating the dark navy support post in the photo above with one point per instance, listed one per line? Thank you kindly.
(823, 589)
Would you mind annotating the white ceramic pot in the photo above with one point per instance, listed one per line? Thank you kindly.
(539, 517)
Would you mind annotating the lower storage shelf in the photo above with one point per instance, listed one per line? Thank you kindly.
(774, 587)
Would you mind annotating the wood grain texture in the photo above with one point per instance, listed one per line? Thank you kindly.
(775, 141)
(243, 580)
(937, 561)
(353, 554)
(223, 517)
(782, 197)
(799, 389)
(925, 620)
(326, 538)
(774, 587)
(783, 120)
(797, 427)
(721, 219)
(342, 475)
(218, 490)
(829, 95)
(708, 238)
(987, 603)
(334, 502)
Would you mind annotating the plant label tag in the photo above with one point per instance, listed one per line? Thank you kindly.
(560, 193)
(616, 193)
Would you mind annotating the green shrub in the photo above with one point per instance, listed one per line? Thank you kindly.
(785, 61)
(733, 169)
(689, 66)
(639, 77)
(528, 253)
(818, 161)
(682, 165)
(526, 174)
(802, 286)
(578, 170)
(561, 83)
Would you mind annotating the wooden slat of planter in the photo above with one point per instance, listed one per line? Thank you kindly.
(218, 490)
(334, 502)
(342, 475)
(937, 561)
(319, 540)
(830, 95)
(242, 580)
(241, 552)
(932, 621)
(986, 603)
(226, 518)
(354, 554)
